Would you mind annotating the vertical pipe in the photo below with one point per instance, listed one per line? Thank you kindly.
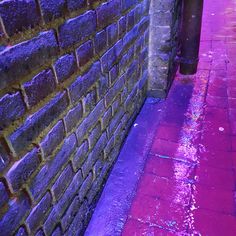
(190, 36)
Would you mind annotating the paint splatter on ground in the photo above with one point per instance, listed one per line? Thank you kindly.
(188, 183)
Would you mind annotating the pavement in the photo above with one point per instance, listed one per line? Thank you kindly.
(176, 174)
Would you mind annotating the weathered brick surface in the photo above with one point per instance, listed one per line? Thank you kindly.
(22, 232)
(59, 209)
(74, 5)
(51, 169)
(11, 107)
(18, 208)
(80, 87)
(69, 91)
(39, 87)
(52, 9)
(73, 117)
(80, 155)
(62, 182)
(21, 59)
(3, 195)
(107, 12)
(38, 213)
(77, 29)
(22, 170)
(85, 53)
(65, 66)
(36, 123)
(15, 15)
(53, 139)
(100, 42)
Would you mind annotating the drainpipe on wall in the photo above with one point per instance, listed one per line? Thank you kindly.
(190, 36)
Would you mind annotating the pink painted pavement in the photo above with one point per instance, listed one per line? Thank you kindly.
(189, 180)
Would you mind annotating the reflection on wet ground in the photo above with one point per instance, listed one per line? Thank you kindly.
(188, 183)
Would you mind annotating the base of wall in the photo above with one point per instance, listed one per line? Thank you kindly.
(157, 93)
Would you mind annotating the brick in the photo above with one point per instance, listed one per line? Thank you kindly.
(80, 155)
(21, 171)
(138, 13)
(106, 118)
(57, 232)
(108, 12)
(80, 87)
(100, 42)
(94, 155)
(146, 6)
(130, 20)
(73, 5)
(77, 226)
(70, 193)
(63, 204)
(97, 184)
(77, 29)
(94, 135)
(11, 108)
(112, 34)
(143, 25)
(53, 139)
(85, 187)
(119, 49)
(40, 233)
(52, 9)
(122, 26)
(11, 220)
(108, 59)
(126, 5)
(15, 15)
(51, 222)
(114, 91)
(24, 135)
(90, 101)
(64, 67)
(130, 37)
(4, 155)
(50, 170)
(97, 168)
(84, 53)
(62, 182)
(143, 80)
(126, 60)
(138, 45)
(116, 105)
(21, 59)
(109, 147)
(131, 75)
(70, 213)
(21, 232)
(39, 87)
(3, 195)
(113, 74)
(73, 117)
(38, 213)
(103, 86)
(115, 121)
(90, 121)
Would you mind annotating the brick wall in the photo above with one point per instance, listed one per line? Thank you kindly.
(73, 76)
(165, 20)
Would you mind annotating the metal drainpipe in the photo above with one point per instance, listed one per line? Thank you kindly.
(190, 36)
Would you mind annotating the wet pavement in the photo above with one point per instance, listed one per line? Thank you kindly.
(179, 161)
(189, 179)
